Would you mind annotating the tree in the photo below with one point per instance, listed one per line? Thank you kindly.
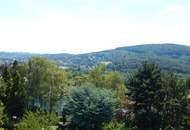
(78, 78)
(186, 119)
(115, 82)
(14, 97)
(97, 76)
(37, 68)
(56, 84)
(2, 89)
(110, 80)
(145, 91)
(175, 106)
(46, 82)
(89, 107)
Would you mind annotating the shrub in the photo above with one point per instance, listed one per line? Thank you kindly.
(89, 107)
(114, 126)
(37, 121)
(1, 114)
(4, 120)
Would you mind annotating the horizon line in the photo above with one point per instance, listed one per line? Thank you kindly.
(52, 53)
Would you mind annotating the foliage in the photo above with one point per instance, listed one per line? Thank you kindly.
(115, 126)
(97, 76)
(46, 82)
(14, 97)
(109, 80)
(1, 114)
(77, 78)
(145, 91)
(176, 103)
(2, 89)
(4, 121)
(154, 100)
(89, 107)
(168, 56)
(56, 81)
(186, 122)
(115, 81)
(37, 121)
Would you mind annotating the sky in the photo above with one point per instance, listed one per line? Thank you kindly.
(80, 26)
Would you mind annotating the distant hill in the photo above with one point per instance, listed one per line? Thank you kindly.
(169, 56)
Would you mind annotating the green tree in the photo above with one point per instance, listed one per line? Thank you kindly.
(56, 81)
(14, 98)
(2, 89)
(89, 107)
(115, 82)
(97, 76)
(186, 121)
(175, 105)
(46, 82)
(145, 91)
(110, 80)
(37, 68)
(78, 79)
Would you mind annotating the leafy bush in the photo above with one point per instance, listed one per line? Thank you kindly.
(114, 126)
(4, 120)
(37, 121)
(89, 107)
(1, 114)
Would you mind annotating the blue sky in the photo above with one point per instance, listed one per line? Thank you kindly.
(79, 26)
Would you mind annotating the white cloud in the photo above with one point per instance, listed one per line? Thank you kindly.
(173, 9)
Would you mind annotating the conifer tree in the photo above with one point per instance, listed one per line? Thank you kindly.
(145, 91)
(15, 98)
(175, 107)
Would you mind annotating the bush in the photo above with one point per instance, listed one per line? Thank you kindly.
(114, 126)
(89, 107)
(1, 114)
(5, 122)
(37, 121)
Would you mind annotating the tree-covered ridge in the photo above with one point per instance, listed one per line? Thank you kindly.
(170, 57)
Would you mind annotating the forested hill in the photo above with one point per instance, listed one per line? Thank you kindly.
(169, 56)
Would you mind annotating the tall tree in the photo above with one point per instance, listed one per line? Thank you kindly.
(3, 87)
(46, 82)
(186, 122)
(145, 91)
(15, 98)
(56, 85)
(176, 109)
(37, 68)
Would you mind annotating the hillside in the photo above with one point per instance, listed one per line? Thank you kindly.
(169, 56)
